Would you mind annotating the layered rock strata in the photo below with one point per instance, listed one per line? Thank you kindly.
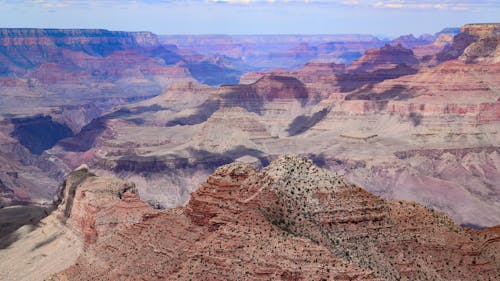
(292, 221)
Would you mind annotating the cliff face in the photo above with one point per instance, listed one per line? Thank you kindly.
(54, 82)
(69, 52)
(44, 69)
(482, 30)
(453, 79)
(28, 48)
(474, 43)
(292, 221)
(75, 37)
(93, 206)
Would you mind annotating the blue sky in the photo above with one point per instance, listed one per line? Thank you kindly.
(379, 17)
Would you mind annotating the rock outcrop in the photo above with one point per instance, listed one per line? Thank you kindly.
(386, 57)
(482, 29)
(292, 221)
(474, 43)
(93, 206)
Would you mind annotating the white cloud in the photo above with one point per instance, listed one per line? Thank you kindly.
(458, 5)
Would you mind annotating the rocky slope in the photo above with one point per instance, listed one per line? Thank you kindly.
(291, 221)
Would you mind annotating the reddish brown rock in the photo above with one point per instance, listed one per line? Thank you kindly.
(454, 79)
(473, 42)
(384, 58)
(292, 221)
(482, 29)
(280, 87)
(268, 88)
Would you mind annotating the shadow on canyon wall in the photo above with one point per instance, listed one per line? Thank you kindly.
(199, 159)
(203, 112)
(39, 133)
(303, 123)
(89, 134)
(15, 217)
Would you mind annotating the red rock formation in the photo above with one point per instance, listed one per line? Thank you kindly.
(292, 221)
(323, 68)
(483, 112)
(482, 30)
(93, 206)
(453, 79)
(384, 58)
(280, 87)
(268, 88)
(473, 41)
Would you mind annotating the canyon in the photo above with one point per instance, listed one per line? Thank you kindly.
(389, 122)
(130, 155)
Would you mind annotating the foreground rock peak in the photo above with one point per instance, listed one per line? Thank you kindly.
(290, 221)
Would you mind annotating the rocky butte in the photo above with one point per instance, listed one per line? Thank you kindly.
(290, 221)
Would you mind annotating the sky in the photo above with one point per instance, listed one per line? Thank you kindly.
(378, 17)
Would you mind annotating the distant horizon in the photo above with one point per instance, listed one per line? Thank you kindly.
(389, 18)
(379, 36)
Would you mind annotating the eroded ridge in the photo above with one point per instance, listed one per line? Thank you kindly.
(291, 221)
